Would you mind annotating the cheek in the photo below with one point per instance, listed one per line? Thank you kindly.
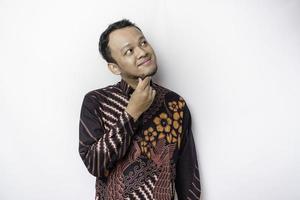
(151, 51)
(128, 63)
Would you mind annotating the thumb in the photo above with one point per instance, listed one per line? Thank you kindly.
(139, 83)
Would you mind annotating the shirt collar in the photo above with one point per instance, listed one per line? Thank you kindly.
(126, 88)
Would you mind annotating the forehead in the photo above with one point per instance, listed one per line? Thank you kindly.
(121, 37)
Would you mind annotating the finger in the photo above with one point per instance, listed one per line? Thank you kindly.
(150, 91)
(139, 83)
(153, 93)
(145, 82)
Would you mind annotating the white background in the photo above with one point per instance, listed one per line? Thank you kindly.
(236, 63)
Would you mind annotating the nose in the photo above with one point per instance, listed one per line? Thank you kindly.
(141, 52)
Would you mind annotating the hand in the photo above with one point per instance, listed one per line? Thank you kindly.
(141, 99)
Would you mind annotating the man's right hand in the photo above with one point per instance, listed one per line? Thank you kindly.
(141, 98)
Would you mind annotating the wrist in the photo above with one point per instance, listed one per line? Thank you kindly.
(133, 114)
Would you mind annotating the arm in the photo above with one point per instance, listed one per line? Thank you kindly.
(100, 148)
(187, 181)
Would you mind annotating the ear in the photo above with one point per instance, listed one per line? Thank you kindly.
(114, 68)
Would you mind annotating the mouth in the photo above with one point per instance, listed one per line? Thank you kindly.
(145, 62)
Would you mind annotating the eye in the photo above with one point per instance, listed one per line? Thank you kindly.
(128, 52)
(144, 43)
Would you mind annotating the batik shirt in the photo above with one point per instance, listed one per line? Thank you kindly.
(145, 159)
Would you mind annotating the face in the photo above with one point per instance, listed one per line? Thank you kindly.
(134, 56)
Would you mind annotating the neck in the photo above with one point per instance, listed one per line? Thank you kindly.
(132, 82)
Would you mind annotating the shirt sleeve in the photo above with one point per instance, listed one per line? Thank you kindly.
(101, 148)
(187, 180)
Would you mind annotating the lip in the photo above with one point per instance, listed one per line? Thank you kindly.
(147, 61)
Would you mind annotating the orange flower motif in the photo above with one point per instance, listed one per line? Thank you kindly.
(177, 121)
(172, 137)
(145, 148)
(173, 105)
(169, 127)
(163, 124)
(181, 103)
(150, 135)
(166, 126)
(177, 125)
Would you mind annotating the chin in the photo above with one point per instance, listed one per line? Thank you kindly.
(152, 72)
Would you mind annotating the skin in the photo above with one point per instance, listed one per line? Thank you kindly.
(130, 50)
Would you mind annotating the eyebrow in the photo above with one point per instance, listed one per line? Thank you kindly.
(128, 44)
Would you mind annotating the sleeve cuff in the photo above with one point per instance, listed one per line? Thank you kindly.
(135, 124)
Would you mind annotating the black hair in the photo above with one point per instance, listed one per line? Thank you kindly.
(104, 38)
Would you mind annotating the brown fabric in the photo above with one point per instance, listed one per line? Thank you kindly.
(146, 159)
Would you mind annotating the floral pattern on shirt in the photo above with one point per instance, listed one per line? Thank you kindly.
(167, 125)
(145, 159)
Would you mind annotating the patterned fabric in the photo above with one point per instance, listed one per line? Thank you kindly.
(147, 159)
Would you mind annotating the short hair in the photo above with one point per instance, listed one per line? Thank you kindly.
(104, 38)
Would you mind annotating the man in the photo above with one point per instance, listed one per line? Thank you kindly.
(135, 135)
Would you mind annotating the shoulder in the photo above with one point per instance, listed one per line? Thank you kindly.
(98, 95)
(173, 100)
(171, 96)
